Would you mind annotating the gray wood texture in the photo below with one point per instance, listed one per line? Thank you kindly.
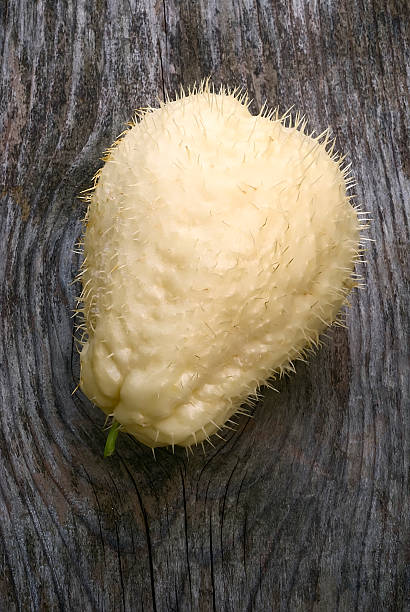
(304, 507)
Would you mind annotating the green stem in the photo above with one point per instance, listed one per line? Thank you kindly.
(111, 439)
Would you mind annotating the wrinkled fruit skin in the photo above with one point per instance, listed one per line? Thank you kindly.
(218, 246)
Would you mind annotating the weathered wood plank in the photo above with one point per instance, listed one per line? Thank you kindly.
(304, 507)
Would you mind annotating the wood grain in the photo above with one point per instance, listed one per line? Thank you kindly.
(305, 505)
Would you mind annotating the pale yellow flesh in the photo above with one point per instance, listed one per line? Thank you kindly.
(218, 245)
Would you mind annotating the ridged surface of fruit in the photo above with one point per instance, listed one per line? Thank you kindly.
(218, 246)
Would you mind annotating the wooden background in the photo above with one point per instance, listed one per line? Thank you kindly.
(304, 507)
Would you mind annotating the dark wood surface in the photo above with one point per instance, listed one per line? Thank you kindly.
(304, 507)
